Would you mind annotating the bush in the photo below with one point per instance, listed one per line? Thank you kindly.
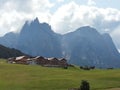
(65, 67)
(84, 85)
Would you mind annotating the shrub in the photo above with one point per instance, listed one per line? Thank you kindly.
(65, 67)
(84, 85)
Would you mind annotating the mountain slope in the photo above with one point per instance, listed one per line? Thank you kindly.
(9, 39)
(38, 39)
(86, 46)
(6, 52)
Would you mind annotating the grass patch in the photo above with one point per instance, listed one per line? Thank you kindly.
(26, 77)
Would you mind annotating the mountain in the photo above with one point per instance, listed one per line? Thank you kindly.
(37, 38)
(86, 46)
(6, 52)
(9, 39)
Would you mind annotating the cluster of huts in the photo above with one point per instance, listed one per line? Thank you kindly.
(39, 60)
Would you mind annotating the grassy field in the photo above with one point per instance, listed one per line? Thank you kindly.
(26, 77)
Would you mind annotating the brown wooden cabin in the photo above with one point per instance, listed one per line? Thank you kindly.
(40, 60)
(63, 62)
(21, 60)
(11, 60)
(53, 61)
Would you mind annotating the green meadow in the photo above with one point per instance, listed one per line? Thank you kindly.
(28, 77)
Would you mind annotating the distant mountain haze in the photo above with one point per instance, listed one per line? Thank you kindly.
(84, 46)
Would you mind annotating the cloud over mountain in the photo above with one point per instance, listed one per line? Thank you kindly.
(63, 15)
(13, 13)
(79, 15)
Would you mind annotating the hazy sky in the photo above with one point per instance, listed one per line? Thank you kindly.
(63, 15)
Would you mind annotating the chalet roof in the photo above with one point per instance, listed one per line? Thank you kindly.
(52, 58)
(20, 57)
(12, 58)
(62, 59)
(38, 57)
(29, 59)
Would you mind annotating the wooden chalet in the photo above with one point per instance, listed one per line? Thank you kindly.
(39, 60)
(21, 60)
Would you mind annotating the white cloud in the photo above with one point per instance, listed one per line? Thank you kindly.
(72, 16)
(41, 5)
(13, 13)
(60, 0)
(91, 2)
(65, 18)
(115, 36)
(61, 20)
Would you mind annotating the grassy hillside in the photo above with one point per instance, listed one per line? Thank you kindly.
(25, 77)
